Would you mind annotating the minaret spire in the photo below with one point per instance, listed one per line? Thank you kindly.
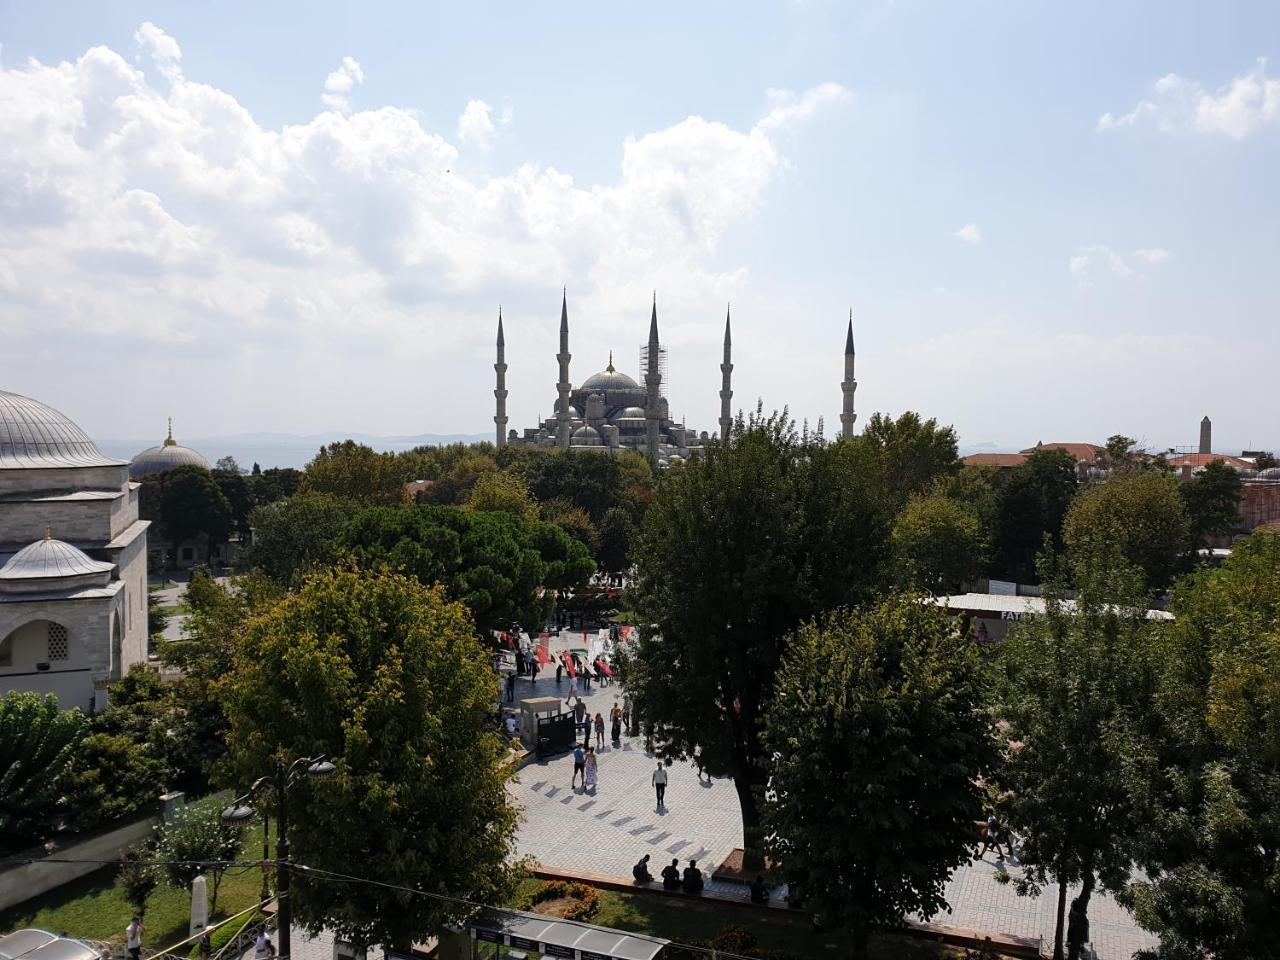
(726, 388)
(849, 384)
(652, 388)
(563, 387)
(500, 388)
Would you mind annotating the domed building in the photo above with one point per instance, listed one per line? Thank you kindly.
(168, 455)
(73, 559)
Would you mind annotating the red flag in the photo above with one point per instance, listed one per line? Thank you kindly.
(605, 668)
(568, 664)
(541, 652)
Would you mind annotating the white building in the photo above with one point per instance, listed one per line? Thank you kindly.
(73, 559)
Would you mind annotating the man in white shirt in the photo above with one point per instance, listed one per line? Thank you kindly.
(263, 948)
(660, 784)
(133, 938)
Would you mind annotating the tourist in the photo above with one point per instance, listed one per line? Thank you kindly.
(559, 672)
(660, 785)
(511, 688)
(579, 766)
(641, 871)
(520, 662)
(991, 838)
(579, 714)
(263, 948)
(759, 890)
(133, 938)
(511, 724)
(692, 882)
(589, 777)
(615, 723)
(671, 875)
(600, 731)
(206, 946)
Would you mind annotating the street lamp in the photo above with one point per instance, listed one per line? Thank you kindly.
(242, 811)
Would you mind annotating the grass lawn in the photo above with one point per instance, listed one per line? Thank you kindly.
(94, 907)
(689, 920)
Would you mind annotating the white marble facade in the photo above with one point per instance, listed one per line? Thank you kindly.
(73, 559)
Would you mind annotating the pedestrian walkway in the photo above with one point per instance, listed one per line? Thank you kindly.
(607, 831)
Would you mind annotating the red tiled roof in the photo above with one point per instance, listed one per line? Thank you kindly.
(993, 459)
(1197, 460)
(1080, 451)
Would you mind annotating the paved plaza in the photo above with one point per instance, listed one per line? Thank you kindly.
(608, 830)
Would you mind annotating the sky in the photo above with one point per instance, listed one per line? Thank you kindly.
(1050, 221)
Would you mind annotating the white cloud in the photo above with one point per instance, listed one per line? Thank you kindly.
(1178, 105)
(1081, 264)
(969, 233)
(339, 84)
(787, 108)
(475, 124)
(162, 48)
(141, 216)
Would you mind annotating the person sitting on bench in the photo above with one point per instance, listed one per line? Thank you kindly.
(671, 875)
(692, 878)
(759, 890)
(641, 871)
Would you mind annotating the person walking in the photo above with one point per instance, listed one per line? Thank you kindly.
(591, 776)
(599, 731)
(579, 715)
(133, 938)
(579, 766)
(615, 723)
(659, 779)
(511, 688)
(991, 838)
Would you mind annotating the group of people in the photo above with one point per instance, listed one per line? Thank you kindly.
(672, 879)
(598, 670)
(584, 724)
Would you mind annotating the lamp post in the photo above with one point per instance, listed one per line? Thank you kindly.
(241, 811)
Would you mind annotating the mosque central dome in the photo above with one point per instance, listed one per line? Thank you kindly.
(609, 379)
(33, 435)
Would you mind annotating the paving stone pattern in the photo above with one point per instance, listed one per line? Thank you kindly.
(608, 830)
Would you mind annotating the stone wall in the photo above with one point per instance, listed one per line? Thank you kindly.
(81, 522)
(21, 883)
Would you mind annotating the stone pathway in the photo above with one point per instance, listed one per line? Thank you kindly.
(609, 830)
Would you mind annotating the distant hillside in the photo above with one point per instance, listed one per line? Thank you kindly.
(285, 449)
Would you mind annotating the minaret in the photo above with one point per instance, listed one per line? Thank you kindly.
(563, 426)
(848, 385)
(500, 391)
(1206, 436)
(652, 387)
(726, 390)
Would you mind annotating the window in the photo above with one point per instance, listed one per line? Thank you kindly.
(59, 642)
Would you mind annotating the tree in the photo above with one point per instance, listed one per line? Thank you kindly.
(113, 777)
(38, 744)
(1213, 852)
(1265, 461)
(617, 532)
(137, 877)
(235, 487)
(592, 483)
(297, 534)
(352, 471)
(574, 521)
(157, 619)
(1077, 689)
(384, 676)
(877, 734)
(195, 841)
(738, 548)
(1140, 513)
(502, 492)
(454, 484)
(915, 451)
(275, 483)
(1212, 501)
(192, 506)
(1031, 507)
(228, 464)
(493, 562)
(937, 543)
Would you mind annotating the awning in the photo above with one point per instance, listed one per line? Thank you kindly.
(562, 938)
(21, 942)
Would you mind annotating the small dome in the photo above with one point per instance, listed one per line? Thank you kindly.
(168, 455)
(585, 436)
(50, 559)
(33, 435)
(630, 413)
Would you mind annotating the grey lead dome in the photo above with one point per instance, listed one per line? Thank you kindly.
(34, 435)
(51, 559)
(168, 455)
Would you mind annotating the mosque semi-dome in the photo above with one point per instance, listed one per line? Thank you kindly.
(168, 455)
(34, 436)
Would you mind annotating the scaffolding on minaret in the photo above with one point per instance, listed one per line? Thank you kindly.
(662, 366)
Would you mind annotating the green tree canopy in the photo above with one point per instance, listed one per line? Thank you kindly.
(502, 492)
(1212, 501)
(738, 548)
(353, 471)
(1138, 513)
(1213, 856)
(937, 544)
(194, 841)
(234, 486)
(1076, 694)
(384, 676)
(617, 533)
(915, 451)
(297, 534)
(274, 483)
(592, 483)
(1032, 504)
(192, 506)
(38, 745)
(877, 735)
(494, 562)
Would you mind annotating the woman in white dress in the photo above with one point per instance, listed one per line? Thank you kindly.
(591, 769)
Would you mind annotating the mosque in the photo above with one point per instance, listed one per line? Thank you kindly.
(610, 412)
(73, 559)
